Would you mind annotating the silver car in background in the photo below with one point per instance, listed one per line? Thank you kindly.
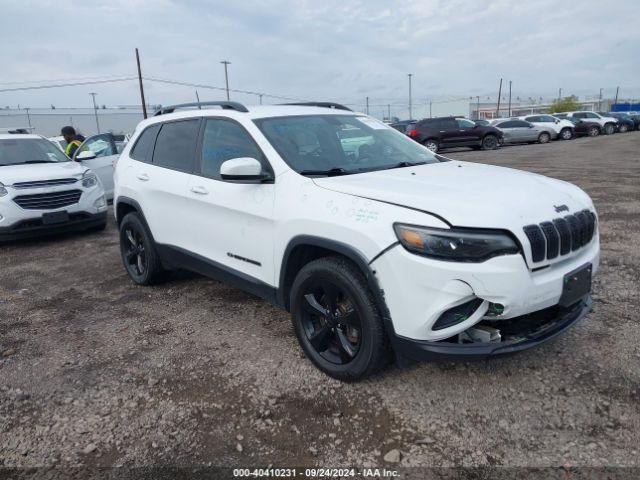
(519, 131)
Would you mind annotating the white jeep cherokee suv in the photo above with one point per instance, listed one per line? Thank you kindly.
(42, 191)
(375, 245)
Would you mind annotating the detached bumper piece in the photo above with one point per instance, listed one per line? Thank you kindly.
(35, 227)
(517, 334)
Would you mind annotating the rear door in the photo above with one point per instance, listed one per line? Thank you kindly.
(525, 131)
(233, 222)
(508, 130)
(468, 133)
(162, 184)
(448, 130)
(104, 146)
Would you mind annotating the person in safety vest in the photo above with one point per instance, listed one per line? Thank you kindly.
(73, 140)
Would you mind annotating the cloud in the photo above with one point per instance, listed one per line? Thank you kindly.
(339, 50)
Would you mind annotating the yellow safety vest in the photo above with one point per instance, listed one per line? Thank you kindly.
(67, 150)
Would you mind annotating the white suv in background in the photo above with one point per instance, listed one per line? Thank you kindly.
(563, 128)
(608, 124)
(42, 191)
(374, 244)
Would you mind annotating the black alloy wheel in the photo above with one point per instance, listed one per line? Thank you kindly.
(331, 322)
(336, 319)
(490, 142)
(134, 255)
(138, 251)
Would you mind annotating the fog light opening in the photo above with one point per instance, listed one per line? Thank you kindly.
(495, 310)
(457, 314)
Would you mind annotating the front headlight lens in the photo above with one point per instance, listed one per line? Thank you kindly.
(3, 191)
(455, 244)
(89, 179)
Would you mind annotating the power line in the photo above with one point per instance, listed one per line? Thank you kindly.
(58, 85)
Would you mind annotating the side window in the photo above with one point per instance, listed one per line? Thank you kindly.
(463, 123)
(510, 124)
(222, 141)
(176, 145)
(591, 115)
(520, 124)
(547, 118)
(534, 119)
(448, 124)
(580, 115)
(102, 145)
(144, 145)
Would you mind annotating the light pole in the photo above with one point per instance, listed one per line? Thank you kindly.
(95, 109)
(509, 98)
(600, 101)
(478, 107)
(410, 100)
(367, 105)
(28, 118)
(226, 75)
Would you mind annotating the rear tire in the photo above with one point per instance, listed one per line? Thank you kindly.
(432, 145)
(593, 131)
(609, 128)
(138, 251)
(336, 319)
(490, 142)
(544, 137)
(623, 128)
(565, 134)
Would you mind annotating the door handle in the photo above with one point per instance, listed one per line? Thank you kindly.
(143, 177)
(200, 190)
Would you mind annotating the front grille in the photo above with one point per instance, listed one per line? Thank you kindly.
(48, 201)
(45, 183)
(561, 235)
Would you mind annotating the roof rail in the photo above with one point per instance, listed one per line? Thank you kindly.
(336, 106)
(238, 107)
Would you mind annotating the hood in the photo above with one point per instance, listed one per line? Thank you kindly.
(10, 174)
(467, 194)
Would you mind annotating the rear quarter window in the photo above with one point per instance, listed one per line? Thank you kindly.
(143, 147)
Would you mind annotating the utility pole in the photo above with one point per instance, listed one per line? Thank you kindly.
(367, 105)
(144, 105)
(430, 109)
(560, 93)
(478, 107)
(95, 109)
(615, 102)
(410, 106)
(226, 75)
(28, 116)
(600, 101)
(260, 95)
(198, 100)
(509, 98)
(499, 94)
(389, 112)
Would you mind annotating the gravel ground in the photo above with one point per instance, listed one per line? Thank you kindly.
(95, 371)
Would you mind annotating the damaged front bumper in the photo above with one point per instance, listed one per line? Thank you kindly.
(519, 333)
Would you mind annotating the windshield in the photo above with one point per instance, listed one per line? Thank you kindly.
(341, 144)
(19, 151)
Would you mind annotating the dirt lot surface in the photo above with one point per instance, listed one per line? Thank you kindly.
(95, 371)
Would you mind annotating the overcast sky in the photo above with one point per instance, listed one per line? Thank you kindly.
(337, 50)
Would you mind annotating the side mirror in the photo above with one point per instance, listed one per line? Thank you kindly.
(86, 155)
(243, 169)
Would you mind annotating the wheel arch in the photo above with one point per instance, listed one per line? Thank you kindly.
(125, 205)
(305, 248)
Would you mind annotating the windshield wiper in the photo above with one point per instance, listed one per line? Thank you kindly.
(332, 172)
(30, 161)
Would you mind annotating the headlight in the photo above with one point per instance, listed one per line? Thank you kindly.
(455, 244)
(3, 191)
(89, 179)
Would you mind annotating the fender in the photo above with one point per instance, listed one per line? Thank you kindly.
(352, 254)
(131, 202)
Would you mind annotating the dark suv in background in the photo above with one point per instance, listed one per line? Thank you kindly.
(447, 132)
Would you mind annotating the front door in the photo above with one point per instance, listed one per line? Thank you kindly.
(468, 133)
(233, 222)
(104, 147)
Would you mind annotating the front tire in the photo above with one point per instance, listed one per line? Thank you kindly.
(490, 142)
(623, 128)
(336, 319)
(138, 251)
(566, 134)
(609, 128)
(544, 137)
